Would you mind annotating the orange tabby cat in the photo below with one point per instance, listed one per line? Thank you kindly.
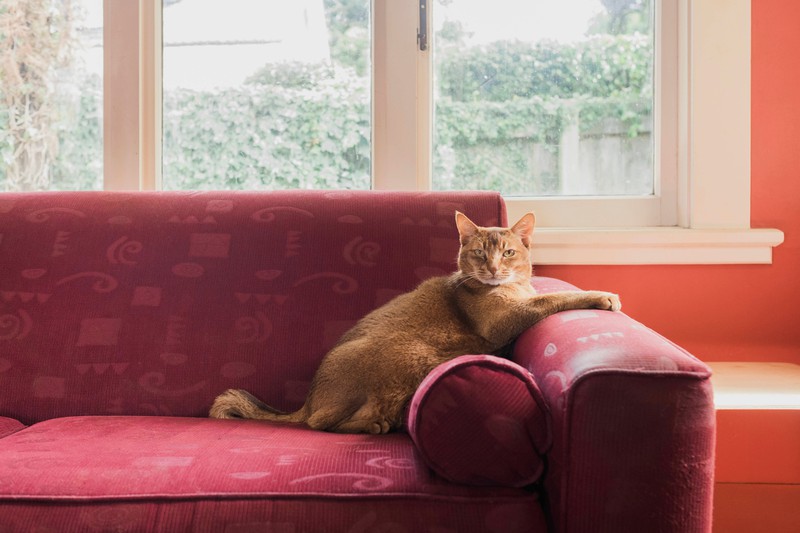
(364, 383)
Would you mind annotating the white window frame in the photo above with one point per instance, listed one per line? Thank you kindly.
(700, 216)
(131, 95)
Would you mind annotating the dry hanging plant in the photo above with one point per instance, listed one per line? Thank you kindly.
(36, 39)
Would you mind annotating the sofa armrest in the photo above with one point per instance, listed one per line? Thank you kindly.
(633, 423)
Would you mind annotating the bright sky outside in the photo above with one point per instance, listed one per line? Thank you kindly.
(236, 20)
(524, 20)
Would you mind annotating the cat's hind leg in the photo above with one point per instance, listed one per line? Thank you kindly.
(375, 426)
(325, 419)
(367, 419)
(337, 408)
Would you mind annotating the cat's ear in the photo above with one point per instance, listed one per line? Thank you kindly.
(466, 228)
(524, 228)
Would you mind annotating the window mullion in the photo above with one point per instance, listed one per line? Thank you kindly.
(667, 77)
(150, 94)
(424, 103)
(121, 95)
(132, 94)
(398, 160)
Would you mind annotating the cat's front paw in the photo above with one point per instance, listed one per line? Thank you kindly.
(606, 301)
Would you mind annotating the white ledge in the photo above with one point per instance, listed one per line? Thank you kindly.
(749, 385)
(651, 246)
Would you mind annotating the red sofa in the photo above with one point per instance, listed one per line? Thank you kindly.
(122, 315)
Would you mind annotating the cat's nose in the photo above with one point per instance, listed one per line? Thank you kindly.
(492, 268)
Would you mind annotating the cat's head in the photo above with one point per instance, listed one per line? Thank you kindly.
(495, 256)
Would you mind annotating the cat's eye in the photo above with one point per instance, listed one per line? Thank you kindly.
(479, 252)
(509, 253)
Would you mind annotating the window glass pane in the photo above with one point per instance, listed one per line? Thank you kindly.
(266, 94)
(51, 68)
(542, 97)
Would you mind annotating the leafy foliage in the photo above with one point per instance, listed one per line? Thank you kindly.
(348, 22)
(500, 114)
(282, 135)
(79, 164)
(307, 126)
(35, 41)
(622, 17)
(602, 66)
(518, 98)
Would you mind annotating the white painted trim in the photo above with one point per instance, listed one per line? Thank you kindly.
(667, 90)
(750, 385)
(587, 211)
(121, 110)
(131, 94)
(150, 94)
(709, 118)
(424, 108)
(712, 72)
(718, 134)
(660, 208)
(703, 123)
(395, 108)
(636, 246)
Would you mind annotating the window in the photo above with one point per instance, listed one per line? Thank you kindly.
(266, 94)
(408, 161)
(554, 101)
(700, 209)
(395, 106)
(563, 100)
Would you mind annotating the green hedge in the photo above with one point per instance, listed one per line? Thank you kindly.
(602, 66)
(269, 136)
(303, 126)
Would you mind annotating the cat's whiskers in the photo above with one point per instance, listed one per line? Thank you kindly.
(467, 276)
(500, 278)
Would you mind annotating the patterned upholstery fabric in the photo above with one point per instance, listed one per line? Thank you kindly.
(190, 474)
(633, 423)
(153, 303)
(122, 315)
(481, 420)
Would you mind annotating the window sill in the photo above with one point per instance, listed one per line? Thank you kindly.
(654, 246)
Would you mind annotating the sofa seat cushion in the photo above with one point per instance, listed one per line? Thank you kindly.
(146, 473)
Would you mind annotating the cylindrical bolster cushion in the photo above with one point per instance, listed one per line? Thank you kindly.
(9, 426)
(481, 420)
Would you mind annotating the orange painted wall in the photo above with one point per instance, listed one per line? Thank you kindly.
(736, 312)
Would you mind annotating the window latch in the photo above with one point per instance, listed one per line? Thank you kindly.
(422, 32)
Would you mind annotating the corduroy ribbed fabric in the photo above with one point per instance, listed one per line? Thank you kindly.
(481, 420)
(122, 315)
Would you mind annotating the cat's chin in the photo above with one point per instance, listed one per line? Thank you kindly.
(494, 282)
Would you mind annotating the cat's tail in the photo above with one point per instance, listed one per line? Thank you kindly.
(238, 403)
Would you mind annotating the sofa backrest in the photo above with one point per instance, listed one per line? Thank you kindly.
(153, 303)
